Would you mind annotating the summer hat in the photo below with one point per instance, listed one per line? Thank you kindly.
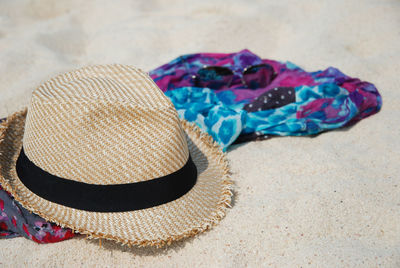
(101, 150)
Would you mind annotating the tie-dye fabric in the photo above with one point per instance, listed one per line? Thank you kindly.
(322, 100)
(17, 221)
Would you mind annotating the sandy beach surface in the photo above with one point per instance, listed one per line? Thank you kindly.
(327, 201)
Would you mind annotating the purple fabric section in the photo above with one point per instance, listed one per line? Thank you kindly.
(323, 100)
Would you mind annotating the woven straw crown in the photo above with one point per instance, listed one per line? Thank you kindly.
(83, 125)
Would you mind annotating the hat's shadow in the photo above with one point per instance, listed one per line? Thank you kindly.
(111, 246)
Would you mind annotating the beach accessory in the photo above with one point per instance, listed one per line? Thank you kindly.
(218, 77)
(322, 100)
(101, 150)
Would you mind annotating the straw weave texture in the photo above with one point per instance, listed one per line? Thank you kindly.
(49, 129)
(83, 125)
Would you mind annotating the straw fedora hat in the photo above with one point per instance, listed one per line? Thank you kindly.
(101, 150)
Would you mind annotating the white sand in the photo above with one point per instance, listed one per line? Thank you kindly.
(328, 201)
